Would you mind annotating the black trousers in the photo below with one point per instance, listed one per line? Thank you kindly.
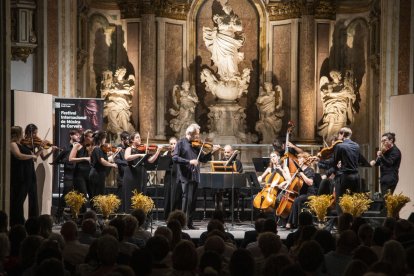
(189, 199)
(172, 195)
(67, 187)
(297, 206)
(345, 182)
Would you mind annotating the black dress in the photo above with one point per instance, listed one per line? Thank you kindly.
(22, 183)
(135, 178)
(98, 171)
(81, 181)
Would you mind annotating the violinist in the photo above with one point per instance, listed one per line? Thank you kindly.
(346, 159)
(34, 143)
(122, 163)
(306, 175)
(22, 178)
(172, 191)
(80, 156)
(326, 163)
(389, 160)
(187, 158)
(135, 177)
(99, 162)
(68, 168)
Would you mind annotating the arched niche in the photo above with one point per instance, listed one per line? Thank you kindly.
(253, 16)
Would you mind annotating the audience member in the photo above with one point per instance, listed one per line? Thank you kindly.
(88, 233)
(326, 240)
(356, 268)
(184, 258)
(242, 263)
(158, 247)
(74, 252)
(365, 254)
(140, 232)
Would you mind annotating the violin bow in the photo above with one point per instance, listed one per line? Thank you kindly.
(201, 149)
(146, 148)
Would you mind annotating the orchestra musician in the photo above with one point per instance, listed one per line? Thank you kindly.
(228, 152)
(172, 189)
(327, 165)
(122, 163)
(274, 165)
(389, 160)
(188, 157)
(80, 155)
(99, 162)
(22, 178)
(346, 158)
(135, 176)
(68, 168)
(306, 174)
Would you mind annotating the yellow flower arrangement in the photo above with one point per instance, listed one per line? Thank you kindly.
(75, 200)
(355, 204)
(319, 205)
(394, 203)
(106, 204)
(140, 201)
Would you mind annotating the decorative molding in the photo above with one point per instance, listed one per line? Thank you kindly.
(171, 10)
(286, 10)
(130, 9)
(22, 52)
(325, 10)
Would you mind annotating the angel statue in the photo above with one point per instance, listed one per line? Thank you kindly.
(271, 112)
(338, 99)
(184, 104)
(117, 93)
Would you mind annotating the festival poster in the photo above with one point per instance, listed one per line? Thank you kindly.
(70, 114)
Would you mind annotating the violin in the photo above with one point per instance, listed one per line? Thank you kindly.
(106, 148)
(206, 146)
(36, 142)
(326, 153)
(149, 149)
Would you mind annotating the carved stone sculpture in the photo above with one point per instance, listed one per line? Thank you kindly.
(117, 92)
(338, 97)
(224, 41)
(184, 104)
(271, 113)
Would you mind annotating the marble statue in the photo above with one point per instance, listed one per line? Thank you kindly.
(117, 92)
(184, 101)
(271, 113)
(224, 41)
(338, 97)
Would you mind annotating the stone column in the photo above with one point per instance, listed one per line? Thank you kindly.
(307, 99)
(5, 105)
(147, 87)
(388, 71)
(160, 133)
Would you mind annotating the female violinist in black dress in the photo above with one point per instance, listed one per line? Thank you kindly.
(135, 176)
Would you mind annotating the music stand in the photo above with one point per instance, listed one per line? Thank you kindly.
(165, 164)
(261, 163)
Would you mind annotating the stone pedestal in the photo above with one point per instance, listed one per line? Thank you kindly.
(227, 124)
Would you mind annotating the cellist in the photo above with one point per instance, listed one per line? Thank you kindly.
(306, 174)
(274, 166)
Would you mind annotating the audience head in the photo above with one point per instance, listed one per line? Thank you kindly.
(215, 244)
(45, 224)
(48, 249)
(215, 224)
(394, 253)
(365, 234)
(347, 242)
(28, 250)
(184, 256)
(90, 214)
(141, 262)
(381, 235)
(344, 222)
(269, 243)
(210, 259)
(140, 215)
(325, 240)
(310, 256)
(111, 230)
(16, 236)
(119, 224)
(365, 254)
(131, 223)
(158, 247)
(178, 215)
(50, 266)
(241, 263)
(275, 263)
(356, 268)
(402, 227)
(305, 218)
(270, 225)
(69, 231)
(32, 226)
(4, 247)
(89, 226)
(218, 215)
(165, 232)
(258, 224)
(108, 249)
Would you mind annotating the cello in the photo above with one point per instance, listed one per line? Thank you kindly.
(288, 157)
(266, 198)
(288, 194)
